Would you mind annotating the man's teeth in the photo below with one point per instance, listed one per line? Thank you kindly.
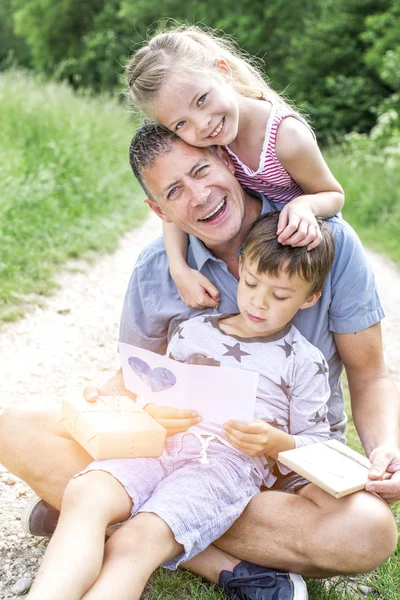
(220, 205)
(218, 130)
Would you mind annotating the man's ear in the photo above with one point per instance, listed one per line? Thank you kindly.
(155, 208)
(240, 265)
(311, 300)
(224, 156)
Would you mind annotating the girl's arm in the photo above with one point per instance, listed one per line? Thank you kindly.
(194, 289)
(323, 196)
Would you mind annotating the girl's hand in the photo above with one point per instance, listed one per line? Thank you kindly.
(254, 438)
(196, 290)
(298, 226)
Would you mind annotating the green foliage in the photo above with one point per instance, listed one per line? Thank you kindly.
(65, 182)
(337, 59)
(368, 167)
(13, 49)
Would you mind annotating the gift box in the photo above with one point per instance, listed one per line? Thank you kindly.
(113, 427)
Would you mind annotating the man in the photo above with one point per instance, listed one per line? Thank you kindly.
(308, 531)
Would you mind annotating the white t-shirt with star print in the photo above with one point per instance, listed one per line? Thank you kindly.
(293, 387)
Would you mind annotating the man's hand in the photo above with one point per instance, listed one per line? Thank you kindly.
(174, 420)
(257, 437)
(385, 459)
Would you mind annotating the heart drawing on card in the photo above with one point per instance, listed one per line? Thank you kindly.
(157, 379)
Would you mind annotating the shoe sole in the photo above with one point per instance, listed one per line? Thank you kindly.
(299, 587)
(26, 516)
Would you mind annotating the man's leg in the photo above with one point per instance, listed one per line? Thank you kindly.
(35, 446)
(310, 533)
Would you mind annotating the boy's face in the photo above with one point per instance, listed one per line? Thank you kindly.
(267, 302)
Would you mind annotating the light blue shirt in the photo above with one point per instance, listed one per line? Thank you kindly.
(349, 303)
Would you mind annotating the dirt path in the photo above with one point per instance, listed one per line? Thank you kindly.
(73, 341)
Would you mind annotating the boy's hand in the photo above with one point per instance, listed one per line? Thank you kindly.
(297, 225)
(254, 438)
(174, 420)
(113, 387)
(195, 289)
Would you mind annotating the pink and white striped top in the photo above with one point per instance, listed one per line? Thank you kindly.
(271, 179)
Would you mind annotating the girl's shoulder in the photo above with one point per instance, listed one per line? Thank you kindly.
(293, 135)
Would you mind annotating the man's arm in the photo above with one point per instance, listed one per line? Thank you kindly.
(375, 405)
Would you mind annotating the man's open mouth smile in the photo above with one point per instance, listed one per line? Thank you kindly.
(218, 210)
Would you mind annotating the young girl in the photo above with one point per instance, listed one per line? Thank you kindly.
(200, 87)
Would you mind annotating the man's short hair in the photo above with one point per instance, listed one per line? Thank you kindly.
(312, 266)
(150, 141)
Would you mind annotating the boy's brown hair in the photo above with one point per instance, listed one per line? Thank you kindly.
(312, 266)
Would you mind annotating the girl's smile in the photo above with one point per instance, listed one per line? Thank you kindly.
(203, 109)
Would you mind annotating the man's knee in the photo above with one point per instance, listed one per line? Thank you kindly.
(22, 429)
(375, 532)
(363, 534)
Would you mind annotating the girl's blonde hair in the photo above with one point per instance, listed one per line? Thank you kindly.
(192, 49)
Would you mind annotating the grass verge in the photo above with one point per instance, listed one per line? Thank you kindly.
(372, 206)
(65, 184)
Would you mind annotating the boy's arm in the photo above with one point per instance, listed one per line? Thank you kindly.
(308, 422)
(174, 420)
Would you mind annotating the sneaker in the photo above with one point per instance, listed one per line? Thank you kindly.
(252, 582)
(39, 518)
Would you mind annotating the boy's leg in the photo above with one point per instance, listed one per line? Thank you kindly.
(74, 556)
(132, 553)
(36, 447)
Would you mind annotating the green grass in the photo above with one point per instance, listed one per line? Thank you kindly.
(372, 189)
(66, 188)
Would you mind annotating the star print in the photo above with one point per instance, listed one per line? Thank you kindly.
(235, 351)
(201, 359)
(287, 348)
(322, 368)
(275, 423)
(284, 387)
(179, 332)
(318, 417)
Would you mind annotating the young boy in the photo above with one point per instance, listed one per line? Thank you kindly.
(206, 476)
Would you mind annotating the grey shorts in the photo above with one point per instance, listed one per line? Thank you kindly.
(198, 501)
(289, 483)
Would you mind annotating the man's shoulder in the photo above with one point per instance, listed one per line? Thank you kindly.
(152, 252)
(341, 230)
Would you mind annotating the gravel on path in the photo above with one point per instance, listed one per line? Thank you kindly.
(71, 342)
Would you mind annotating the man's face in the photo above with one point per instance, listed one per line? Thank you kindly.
(196, 189)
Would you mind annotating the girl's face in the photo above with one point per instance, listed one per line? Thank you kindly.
(202, 108)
